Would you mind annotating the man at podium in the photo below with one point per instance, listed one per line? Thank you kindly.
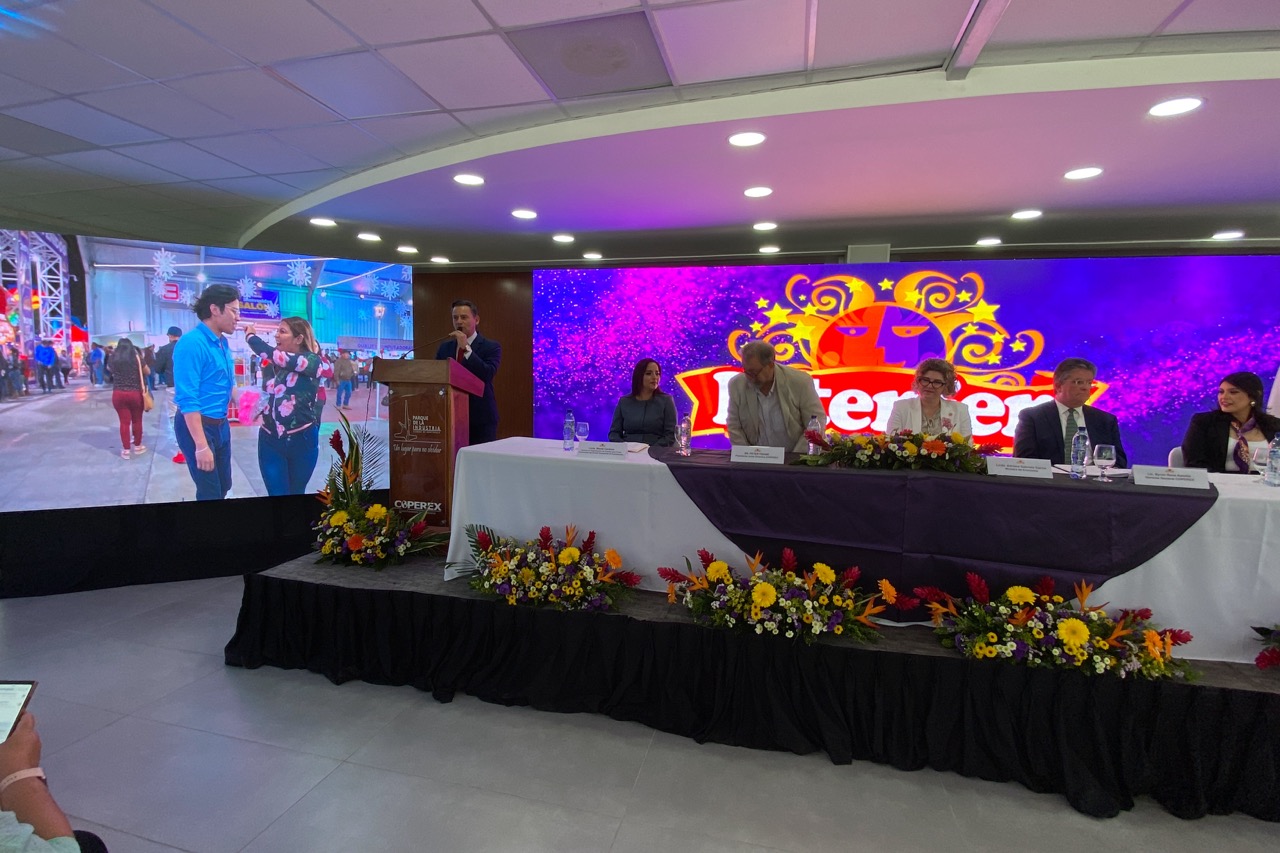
(480, 356)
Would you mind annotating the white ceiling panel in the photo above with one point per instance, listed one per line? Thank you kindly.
(601, 104)
(50, 62)
(255, 99)
(10, 154)
(396, 22)
(265, 32)
(415, 134)
(341, 145)
(1080, 20)
(705, 42)
(357, 85)
(117, 166)
(441, 68)
(160, 108)
(182, 159)
(308, 181)
(1227, 16)
(36, 140)
(260, 152)
(84, 122)
(15, 91)
(258, 188)
(502, 119)
(34, 176)
(518, 13)
(863, 33)
(138, 37)
(199, 195)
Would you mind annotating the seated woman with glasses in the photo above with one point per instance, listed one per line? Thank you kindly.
(928, 411)
(1225, 440)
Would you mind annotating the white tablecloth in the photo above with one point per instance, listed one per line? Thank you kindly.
(1220, 577)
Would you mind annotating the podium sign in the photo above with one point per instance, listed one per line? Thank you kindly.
(429, 421)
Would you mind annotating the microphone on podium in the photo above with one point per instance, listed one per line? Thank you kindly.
(416, 349)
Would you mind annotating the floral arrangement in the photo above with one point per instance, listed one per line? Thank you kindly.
(553, 572)
(785, 601)
(905, 449)
(1270, 654)
(354, 530)
(1037, 627)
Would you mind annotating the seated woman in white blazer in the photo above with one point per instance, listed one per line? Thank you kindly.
(928, 412)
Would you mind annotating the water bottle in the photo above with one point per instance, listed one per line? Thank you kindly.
(1272, 477)
(1079, 454)
(569, 426)
(685, 436)
(814, 426)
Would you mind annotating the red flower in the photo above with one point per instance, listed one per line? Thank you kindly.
(1044, 587)
(335, 441)
(1267, 658)
(850, 577)
(589, 544)
(355, 542)
(817, 439)
(706, 557)
(906, 602)
(544, 537)
(483, 542)
(626, 578)
(670, 575)
(417, 530)
(1140, 615)
(930, 593)
(1177, 636)
(788, 560)
(977, 588)
(988, 449)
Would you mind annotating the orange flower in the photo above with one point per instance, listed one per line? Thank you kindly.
(1022, 617)
(1083, 590)
(886, 589)
(1154, 643)
(671, 593)
(324, 497)
(570, 534)
(1116, 633)
(355, 541)
(935, 447)
(938, 609)
(871, 610)
(756, 563)
(613, 558)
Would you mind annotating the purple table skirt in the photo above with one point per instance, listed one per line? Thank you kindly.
(919, 528)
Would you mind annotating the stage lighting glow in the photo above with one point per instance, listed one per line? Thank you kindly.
(369, 237)
(524, 213)
(765, 226)
(1228, 235)
(592, 256)
(407, 250)
(989, 241)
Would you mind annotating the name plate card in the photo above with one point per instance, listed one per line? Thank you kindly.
(762, 455)
(1170, 478)
(1016, 466)
(602, 449)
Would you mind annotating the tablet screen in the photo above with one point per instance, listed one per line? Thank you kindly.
(13, 698)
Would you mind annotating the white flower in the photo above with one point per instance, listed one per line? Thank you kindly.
(759, 627)
(791, 633)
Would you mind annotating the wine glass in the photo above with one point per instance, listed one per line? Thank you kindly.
(1104, 456)
(582, 429)
(1260, 455)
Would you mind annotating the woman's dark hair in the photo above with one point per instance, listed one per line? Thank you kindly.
(1251, 384)
(637, 376)
(221, 295)
(124, 353)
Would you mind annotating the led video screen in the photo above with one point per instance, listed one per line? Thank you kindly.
(1163, 332)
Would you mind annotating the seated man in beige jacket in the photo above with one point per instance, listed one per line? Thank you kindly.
(770, 404)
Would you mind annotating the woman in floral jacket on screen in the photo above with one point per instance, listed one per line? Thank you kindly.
(289, 441)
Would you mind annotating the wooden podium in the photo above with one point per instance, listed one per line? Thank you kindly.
(428, 423)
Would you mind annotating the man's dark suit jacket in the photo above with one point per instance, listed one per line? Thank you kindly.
(1039, 433)
(483, 362)
(1205, 444)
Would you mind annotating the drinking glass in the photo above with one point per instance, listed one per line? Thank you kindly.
(1104, 456)
(1260, 455)
(583, 429)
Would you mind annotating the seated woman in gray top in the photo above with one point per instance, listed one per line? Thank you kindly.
(647, 414)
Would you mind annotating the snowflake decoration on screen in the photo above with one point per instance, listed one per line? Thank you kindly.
(165, 263)
(406, 311)
(158, 285)
(389, 289)
(187, 296)
(362, 314)
(247, 287)
(299, 274)
(272, 310)
(406, 272)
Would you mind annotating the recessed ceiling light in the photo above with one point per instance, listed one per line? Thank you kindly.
(1028, 214)
(1083, 174)
(439, 259)
(765, 226)
(322, 222)
(989, 241)
(1228, 235)
(407, 250)
(757, 192)
(1175, 107)
(369, 236)
(769, 250)
(592, 256)
(524, 213)
(469, 180)
(746, 140)
(563, 238)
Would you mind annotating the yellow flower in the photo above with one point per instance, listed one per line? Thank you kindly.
(338, 519)
(1073, 632)
(613, 558)
(1057, 599)
(377, 512)
(1154, 644)
(577, 584)
(500, 571)
(980, 649)
(992, 638)
(764, 594)
(1037, 633)
(838, 629)
(837, 601)
(824, 572)
(957, 438)
(991, 651)
(910, 448)
(718, 572)
(790, 576)
(1020, 595)
(755, 613)
(886, 589)
(511, 599)
(822, 599)
(569, 555)
(526, 575)
(807, 618)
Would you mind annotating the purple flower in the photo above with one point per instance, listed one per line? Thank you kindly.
(1019, 650)
(504, 588)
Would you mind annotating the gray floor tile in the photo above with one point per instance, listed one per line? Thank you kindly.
(202, 624)
(583, 761)
(187, 789)
(393, 812)
(62, 723)
(21, 636)
(288, 708)
(636, 837)
(122, 842)
(90, 611)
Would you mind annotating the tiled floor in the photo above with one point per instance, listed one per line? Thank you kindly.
(154, 744)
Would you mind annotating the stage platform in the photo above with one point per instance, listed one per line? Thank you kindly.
(1212, 747)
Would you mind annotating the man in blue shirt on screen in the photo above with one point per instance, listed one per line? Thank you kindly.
(203, 378)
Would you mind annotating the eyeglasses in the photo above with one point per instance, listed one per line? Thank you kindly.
(930, 383)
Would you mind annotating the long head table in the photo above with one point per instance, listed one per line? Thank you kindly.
(1214, 576)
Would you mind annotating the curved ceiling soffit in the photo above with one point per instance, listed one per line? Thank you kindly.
(916, 87)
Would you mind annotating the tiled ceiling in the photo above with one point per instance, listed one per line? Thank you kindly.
(920, 123)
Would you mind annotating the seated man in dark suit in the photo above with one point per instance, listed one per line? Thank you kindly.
(1042, 430)
(480, 356)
